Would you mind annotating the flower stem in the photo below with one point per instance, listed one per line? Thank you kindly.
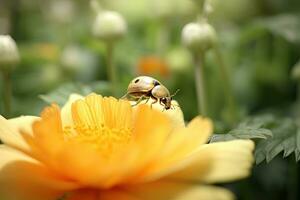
(200, 87)
(204, 13)
(111, 71)
(7, 92)
(227, 86)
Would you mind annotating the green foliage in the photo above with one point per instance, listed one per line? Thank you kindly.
(244, 130)
(273, 135)
(62, 93)
(284, 25)
(286, 139)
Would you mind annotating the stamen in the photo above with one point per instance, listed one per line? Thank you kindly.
(102, 138)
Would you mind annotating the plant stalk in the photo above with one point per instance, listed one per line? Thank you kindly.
(7, 92)
(200, 86)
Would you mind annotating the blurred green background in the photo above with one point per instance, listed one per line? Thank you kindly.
(259, 40)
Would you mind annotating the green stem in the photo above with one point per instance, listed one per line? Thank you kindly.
(7, 92)
(226, 82)
(204, 14)
(111, 71)
(200, 87)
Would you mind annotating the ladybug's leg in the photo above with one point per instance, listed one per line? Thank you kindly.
(161, 103)
(155, 101)
(147, 100)
(139, 100)
(124, 96)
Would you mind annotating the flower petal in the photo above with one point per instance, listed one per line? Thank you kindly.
(10, 131)
(88, 168)
(84, 194)
(23, 178)
(179, 146)
(151, 130)
(219, 162)
(175, 113)
(148, 139)
(66, 115)
(47, 134)
(171, 190)
(48, 146)
(117, 194)
(101, 195)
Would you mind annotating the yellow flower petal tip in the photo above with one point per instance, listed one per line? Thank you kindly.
(230, 160)
(99, 144)
(174, 113)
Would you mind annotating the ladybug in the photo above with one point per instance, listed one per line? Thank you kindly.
(146, 87)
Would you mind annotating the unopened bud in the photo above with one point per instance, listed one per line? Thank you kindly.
(200, 3)
(109, 26)
(199, 37)
(9, 55)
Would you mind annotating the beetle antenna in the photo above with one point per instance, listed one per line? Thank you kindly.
(175, 92)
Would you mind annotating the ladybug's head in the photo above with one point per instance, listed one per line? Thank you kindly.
(167, 102)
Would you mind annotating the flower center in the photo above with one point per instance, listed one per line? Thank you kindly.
(106, 140)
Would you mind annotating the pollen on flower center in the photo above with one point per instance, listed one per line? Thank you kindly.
(101, 137)
(104, 123)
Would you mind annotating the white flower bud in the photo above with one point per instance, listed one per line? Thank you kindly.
(109, 26)
(199, 37)
(9, 54)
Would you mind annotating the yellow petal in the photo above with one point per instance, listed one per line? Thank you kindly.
(47, 134)
(10, 131)
(175, 113)
(219, 162)
(101, 195)
(179, 147)
(151, 130)
(23, 178)
(171, 190)
(49, 146)
(148, 139)
(82, 164)
(66, 115)
(117, 195)
(84, 194)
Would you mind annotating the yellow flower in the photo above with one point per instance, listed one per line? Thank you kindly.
(101, 148)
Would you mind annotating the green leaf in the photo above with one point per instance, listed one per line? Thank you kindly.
(285, 139)
(284, 25)
(249, 129)
(275, 135)
(61, 94)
